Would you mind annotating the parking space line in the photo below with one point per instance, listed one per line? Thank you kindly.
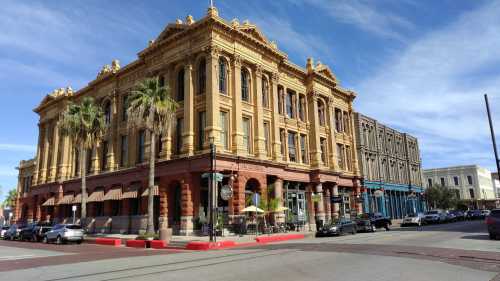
(20, 257)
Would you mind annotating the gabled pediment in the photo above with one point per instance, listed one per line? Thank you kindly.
(254, 31)
(170, 30)
(325, 70)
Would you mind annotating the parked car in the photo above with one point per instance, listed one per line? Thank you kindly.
(450, 216)
(460, 216)
(3, 230)
(339, 227)
(435, 216)
(372, 221)
(485, 213)
(413, 219)
(62, 233)
(493, 223)
(474, 214)
(34, 232)
(13, 232)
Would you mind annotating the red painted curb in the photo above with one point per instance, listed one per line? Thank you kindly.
(108, 241)
(278, 238)
(158, 244)
(136, 243)
(204, 246)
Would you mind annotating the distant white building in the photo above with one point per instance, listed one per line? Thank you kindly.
(470, 182)
(496, 183)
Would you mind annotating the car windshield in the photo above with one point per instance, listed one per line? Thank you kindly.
(5, 227)
(73, 227)
(432, 213)
(363, 216)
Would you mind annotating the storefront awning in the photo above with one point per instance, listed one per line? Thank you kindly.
(114, 194)
(96, 196)
(66, 200)
(77, 199)
(49, 202)
(156, 191)
(131, 192)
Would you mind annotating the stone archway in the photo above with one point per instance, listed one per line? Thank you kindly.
(174, 199)
(252, 186)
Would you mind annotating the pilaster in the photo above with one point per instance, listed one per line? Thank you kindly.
(237, 133)
(212, 128)
(260, 145)
(188, 135)
(314, 141)
(276, 119)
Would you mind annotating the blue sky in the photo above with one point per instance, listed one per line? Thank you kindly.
(420, 66)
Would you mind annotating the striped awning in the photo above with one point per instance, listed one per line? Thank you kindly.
(114, 194)
(96, 196)
(66, 200)
(131, 192)
(49, 202)
(77, 199)
(156, 191)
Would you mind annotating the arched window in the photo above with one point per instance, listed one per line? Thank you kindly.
(180, 85)
(202, 76)
(107, 112)
(222, 76)
(245, 81)
(265, 92)
(321, 113)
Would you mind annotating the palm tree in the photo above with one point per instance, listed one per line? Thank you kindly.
(10, 199)
(84, 124)
(151, 107)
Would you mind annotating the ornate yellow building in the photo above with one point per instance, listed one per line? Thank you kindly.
(273, 124)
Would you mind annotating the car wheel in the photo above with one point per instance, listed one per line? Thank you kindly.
(34, 238)
(45, 240)
(353, 231)
(374, 228)
(11, 238)
(79, 242)
(58, 240)
(419, 223)
(492, 236)
(387, 228)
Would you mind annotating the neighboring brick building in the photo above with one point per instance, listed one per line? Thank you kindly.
(275, 124)
(389, 161)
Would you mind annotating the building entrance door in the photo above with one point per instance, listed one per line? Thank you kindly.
(297, 206)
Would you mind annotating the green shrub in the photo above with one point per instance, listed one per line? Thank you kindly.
(148, 237)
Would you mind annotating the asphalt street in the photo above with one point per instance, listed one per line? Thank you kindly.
(457, 251)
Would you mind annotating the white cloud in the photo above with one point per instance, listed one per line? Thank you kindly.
(17, 147)
(435, 87)
(364, 15)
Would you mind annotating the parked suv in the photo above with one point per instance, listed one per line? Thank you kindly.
(435, 216)
(493, 223)
(372, 221)
(62, 233)
(34, 232)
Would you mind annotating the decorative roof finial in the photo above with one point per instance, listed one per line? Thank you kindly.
(189, 20)
(212, 11)
(309, 65)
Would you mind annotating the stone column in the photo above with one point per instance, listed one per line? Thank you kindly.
(278, 193)
(336, 206)
(38, 158)
(45, 160)
(275, 136)
(260, 145)
(310, 207)
(314, 141)
(212, 128)
(64, 165)
(189, 113)
(320, 211)
(326, 200)
(237, 134)
(55, 152)
(187, 206)
(333, 153)
(359, 204)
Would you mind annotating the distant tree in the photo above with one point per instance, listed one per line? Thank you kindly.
(441, 197)
(10, 199)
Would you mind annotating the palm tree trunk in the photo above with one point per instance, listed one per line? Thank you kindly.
(151, 184)
(83, 171)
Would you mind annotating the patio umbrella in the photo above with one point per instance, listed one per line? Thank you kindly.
(252, 209)
(281, 209)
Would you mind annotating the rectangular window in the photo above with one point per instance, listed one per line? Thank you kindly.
(246, 134)
(346, 122)
(89, 160)
(289, 104)
(134, 206)
(266, 137)
(469, 180)
(104, 156)
(280, 100)
(178, 135)
(455, 180)
(471, 193)
(124, 151)
(116, 207)
(324, 152)
(224, 128)
(338, 120)
(141, 138)
(429, 182)
(292, 152)
(282, 141)
(443, 182)
(124, 108)
(348, 157)
(340, 156)
(303, 149)
(201, 128)
(99, 209)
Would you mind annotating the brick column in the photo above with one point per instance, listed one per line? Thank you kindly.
(163, 206)
(359, 203)
(278, 193)
(320, 211)
(310, 207)
(336, 206)
(187, 206)
(327, 199)
(238, 199)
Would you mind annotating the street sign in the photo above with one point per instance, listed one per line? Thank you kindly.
(256, 199)
(226, 192)
(218, 176)
(73, 208)
(336, 199)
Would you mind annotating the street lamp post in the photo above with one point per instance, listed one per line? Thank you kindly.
(212, 197)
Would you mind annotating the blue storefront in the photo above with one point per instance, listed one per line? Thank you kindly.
(392, 200)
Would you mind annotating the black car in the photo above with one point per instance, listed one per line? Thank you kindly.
(34, 232)
(474, 214)
(372, 221)
(459, 215)
(493, 223)
(339, 227)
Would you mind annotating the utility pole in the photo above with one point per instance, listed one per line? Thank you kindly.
(212, 194)
(492, 134)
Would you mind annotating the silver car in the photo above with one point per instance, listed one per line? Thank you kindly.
(62, 233)
(414, 219)
(3, 230)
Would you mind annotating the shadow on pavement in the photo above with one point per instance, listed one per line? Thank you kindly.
(477, 226)
(476, 237)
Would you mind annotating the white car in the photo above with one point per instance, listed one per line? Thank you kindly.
(413, 219)
(3, 230)
(62, 233)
